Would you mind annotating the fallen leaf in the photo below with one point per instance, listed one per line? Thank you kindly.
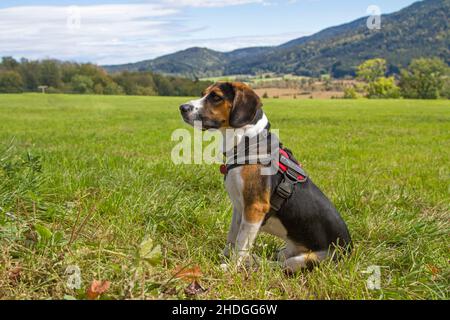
(14, 274)
(97, 288)
(194, 289)
(434, 271)
(149, 252)
(44, 233)
(191, 274)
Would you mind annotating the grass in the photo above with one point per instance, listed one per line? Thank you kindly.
(85, 179)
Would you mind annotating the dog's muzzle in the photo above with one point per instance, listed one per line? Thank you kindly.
(186, 113)
(186, 108)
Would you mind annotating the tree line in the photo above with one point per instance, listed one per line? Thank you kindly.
(424, 78)
(55, 76)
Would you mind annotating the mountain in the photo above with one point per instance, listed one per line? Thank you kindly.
(420, 30)
(191, 62)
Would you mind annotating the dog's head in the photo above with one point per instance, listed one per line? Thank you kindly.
(223, 105)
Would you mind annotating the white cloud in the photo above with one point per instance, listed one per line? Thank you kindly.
(113, 33)
(210, 3)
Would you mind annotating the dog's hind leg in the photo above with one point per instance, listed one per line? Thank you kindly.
(287, 252)
(304, 260)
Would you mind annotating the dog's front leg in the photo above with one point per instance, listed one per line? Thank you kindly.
(252, 219)
(233, 233)
(245, 239)
(250, 194)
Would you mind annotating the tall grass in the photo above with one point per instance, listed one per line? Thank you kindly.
(85, 179)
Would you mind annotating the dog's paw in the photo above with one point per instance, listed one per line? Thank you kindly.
(237, 263)
(248, 262)
(282, 255)
(225, 267)
(227, 250)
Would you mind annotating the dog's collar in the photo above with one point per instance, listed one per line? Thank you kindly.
(246, 153)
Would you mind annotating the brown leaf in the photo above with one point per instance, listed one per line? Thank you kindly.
(14, 274)
(191, 274)
(194, 289)
(97, 288)
(170, 291)
(434, 270)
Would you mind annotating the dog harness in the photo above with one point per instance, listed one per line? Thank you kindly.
(289, 169)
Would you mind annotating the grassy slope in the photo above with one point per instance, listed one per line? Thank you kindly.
(383, 163)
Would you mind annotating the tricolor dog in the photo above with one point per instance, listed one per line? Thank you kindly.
(287, 203)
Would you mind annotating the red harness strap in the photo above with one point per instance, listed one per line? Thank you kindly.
(283, 168)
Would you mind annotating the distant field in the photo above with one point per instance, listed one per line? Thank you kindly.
(290, 86)
(85, 179)
(255, 79)
(292, 93)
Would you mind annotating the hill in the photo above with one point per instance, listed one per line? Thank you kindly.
(419, 30)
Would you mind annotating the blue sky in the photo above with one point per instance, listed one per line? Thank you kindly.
(117, 31)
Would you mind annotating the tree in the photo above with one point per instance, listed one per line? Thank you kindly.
(9, 63)
(383, 88)
(127, 82)
(113, 88)
(29, 71)
(445, 93)
(68, 71)
(377, 85)
(350, 93)
(98, 88)
(69, 77)
(50, 74)
(10, 82)
(424, 79)
(82, 84)
(372, 69)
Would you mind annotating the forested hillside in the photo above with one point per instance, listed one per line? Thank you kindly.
(420, 30)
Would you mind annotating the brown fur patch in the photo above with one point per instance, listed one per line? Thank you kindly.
(311, 257)
(219, 112)
(256, 193)
(311, 260)
(245, 105)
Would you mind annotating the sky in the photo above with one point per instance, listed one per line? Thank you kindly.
(117, 31)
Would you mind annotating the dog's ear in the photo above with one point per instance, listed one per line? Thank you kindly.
(245, 104)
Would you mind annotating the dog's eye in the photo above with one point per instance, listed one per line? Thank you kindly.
(215, 97)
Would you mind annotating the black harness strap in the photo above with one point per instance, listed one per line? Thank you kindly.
(292, 174)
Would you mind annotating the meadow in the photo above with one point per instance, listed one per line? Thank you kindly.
(88, 182)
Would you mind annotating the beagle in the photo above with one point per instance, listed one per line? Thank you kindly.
(304, 218)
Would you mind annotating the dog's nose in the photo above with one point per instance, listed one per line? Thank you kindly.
(186, 108)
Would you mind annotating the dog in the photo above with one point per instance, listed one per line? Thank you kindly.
(303, 216)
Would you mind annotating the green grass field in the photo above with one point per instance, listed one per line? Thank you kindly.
(85, 179)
